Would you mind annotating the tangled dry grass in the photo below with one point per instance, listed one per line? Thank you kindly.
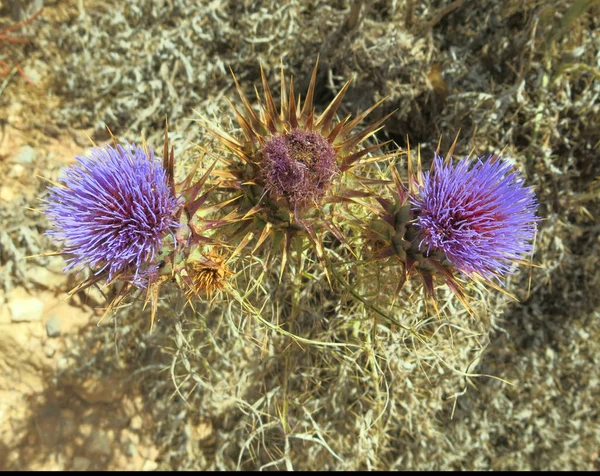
(512, 388)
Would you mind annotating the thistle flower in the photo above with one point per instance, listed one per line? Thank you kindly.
(112, 210)
(298, 166)
(481, 216)
(477, 220)
(288, 160)
(120, 213)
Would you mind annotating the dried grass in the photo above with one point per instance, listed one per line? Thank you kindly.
(228, 389)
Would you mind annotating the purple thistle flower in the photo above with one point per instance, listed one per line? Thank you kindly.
(482, 217)
(298, 166)
(112, 210)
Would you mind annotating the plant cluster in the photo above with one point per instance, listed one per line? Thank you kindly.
(293, 186)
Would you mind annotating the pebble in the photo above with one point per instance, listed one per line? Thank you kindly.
(24, 308)
(99, 444)
(55, 264)
(49, 349)
(45, 278)
(26, 155)
(136, 423)
(16, 171)
(129, 437)
(33, 74)
(149, 465)
(80, 463)
(53, 326)
(130, 450)
(62, 364)
(7, 194)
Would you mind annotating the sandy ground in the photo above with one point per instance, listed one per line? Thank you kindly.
(77, 424)
(75, 395)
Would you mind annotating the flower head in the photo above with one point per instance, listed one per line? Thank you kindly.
(481, 216)
(112, 210)
(298, 166)
(285, 161)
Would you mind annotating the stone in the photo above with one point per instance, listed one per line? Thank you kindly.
(26, 155)
(16, 171)
(24, 308)
(80, 463)
(99, 391)
(129, 437)
(149, 465)
(53, 326)
(98, 444)
(45, 278)
(55, 264)
(33, 73)
(62, 364)
(130, 450)
(136, 423)
(49, 349)
(7, 194)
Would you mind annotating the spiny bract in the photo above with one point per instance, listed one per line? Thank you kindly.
(477, 220)
(289, 164)
(120, 213)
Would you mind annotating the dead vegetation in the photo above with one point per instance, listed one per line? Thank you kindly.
(225, 390)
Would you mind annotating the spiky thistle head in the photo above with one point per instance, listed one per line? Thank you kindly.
(289, 160)
(477, 220)
(120, 213)
(298, 166)
(112, 210)
(478, 213)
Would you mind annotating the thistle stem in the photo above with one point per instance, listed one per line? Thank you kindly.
(367, 304)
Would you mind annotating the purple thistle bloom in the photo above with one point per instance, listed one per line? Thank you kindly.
(482, 218)
(299, 166)
(112, 211)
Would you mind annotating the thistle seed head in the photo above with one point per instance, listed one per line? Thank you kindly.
(298, 166)
(207, 275)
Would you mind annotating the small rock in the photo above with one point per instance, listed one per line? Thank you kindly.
(55, 264)
(62, 364)
(80, 463)
(16, 171)
(130, 450)
(99, 444)
(85, 429)
(24, 308)
(33, 74)
(136, 423)
(99, 391)
(26, 155)
(7, 194)
(149, 465)
(45, 278)
(49, 349)
(129, 437)
(53, 326)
